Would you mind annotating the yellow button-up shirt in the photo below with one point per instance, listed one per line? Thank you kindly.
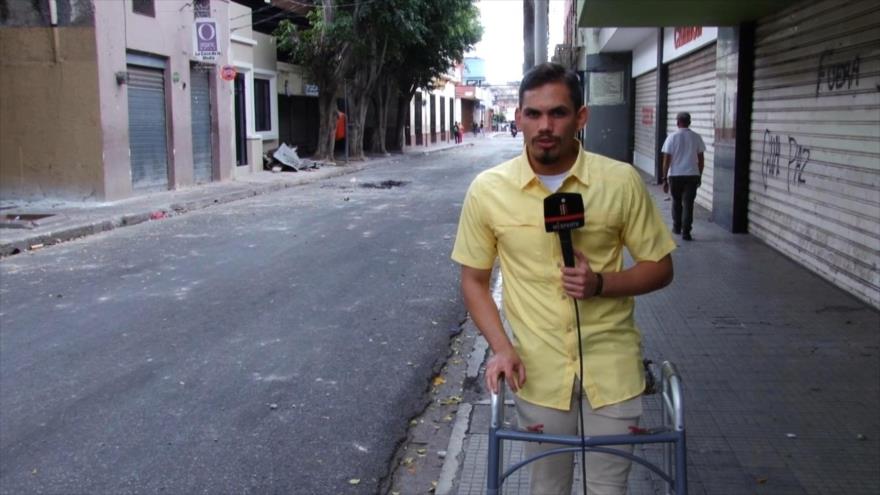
(503, 216)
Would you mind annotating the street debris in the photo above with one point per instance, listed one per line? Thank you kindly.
(285, 158)
(158, 215)
(451, 400)
(354, 481)
(385, 184)
(791, 435)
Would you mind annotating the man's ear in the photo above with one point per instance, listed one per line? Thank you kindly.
(582, 116)
(517, 116)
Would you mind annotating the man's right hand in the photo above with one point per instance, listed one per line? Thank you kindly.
(509, 365)
(666, 186)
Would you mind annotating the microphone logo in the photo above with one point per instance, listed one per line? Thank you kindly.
(562, 213)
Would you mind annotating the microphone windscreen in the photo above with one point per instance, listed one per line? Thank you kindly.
(563, 211)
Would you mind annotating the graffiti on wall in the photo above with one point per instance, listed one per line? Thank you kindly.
(797, 158)
(832, 76)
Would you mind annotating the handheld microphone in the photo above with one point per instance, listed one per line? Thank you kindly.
(564, 212)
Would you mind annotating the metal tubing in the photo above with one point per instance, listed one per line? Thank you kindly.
(673, 437)
(495, 454)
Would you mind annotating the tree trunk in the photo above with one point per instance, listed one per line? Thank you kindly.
(400, 120)
(357, 110)
(327, 124)
(382, 94)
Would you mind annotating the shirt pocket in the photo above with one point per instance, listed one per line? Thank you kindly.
(527, 249)
(601, 235)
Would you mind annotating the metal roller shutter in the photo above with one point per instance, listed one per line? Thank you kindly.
(646, 107)
(815, 163)
(692, 90)
(146, 128)
(200, 94)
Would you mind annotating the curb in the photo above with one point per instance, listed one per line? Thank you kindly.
(452, 462)
(250, 189)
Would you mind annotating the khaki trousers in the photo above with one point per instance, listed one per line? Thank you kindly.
(606, 474)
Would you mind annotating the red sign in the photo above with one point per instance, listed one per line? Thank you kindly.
(647, 115)
(684, 35)
(227, 73)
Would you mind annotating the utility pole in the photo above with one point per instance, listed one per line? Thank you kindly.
(541, 23)
(528, 35)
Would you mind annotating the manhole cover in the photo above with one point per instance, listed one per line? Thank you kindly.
(385, 184)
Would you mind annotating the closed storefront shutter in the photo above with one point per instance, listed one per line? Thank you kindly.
(644, 152)
(146, 128)
(202, 128)
(692, 90)
(815, 163)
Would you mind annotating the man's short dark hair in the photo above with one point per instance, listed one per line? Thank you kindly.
(550, 72)
(683, 118)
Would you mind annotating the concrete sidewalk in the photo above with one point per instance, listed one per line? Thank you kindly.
(780, 369)
(71, 220)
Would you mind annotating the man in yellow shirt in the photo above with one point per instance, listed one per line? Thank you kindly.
(502, 218)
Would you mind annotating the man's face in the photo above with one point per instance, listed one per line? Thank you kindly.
(549, 122)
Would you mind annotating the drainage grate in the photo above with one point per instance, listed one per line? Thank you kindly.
(385, 184)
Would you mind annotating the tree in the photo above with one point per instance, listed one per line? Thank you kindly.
(382, 28)
(324, 49)
(379, 46)
(452, 28)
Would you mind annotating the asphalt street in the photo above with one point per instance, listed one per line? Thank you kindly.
(278, 344)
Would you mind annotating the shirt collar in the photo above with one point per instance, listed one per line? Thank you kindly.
(580, 170)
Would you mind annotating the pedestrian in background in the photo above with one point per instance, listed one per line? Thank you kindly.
(455, 134)
(502, 218)
(682, 171)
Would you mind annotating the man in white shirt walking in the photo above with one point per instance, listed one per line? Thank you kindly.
(682, 169)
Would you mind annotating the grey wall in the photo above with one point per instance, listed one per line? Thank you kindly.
(609, 128)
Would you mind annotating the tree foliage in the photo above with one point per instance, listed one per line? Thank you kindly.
(371, 49)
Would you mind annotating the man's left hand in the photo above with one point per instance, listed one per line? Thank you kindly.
(579, 281)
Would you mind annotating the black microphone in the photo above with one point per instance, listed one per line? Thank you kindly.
(564, 212)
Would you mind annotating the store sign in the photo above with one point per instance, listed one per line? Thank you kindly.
(684, 35)
(310, 89)
(205, 43)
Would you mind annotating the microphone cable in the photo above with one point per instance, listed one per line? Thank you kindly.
(577, 317)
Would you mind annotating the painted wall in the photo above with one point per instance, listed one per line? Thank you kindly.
(50, 144)
(644, 57)
(169, 36)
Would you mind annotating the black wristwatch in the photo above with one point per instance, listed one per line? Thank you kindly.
(599, 283)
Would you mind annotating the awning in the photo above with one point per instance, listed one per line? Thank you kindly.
(671, 13)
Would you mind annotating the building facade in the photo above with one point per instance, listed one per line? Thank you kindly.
(787, 102)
